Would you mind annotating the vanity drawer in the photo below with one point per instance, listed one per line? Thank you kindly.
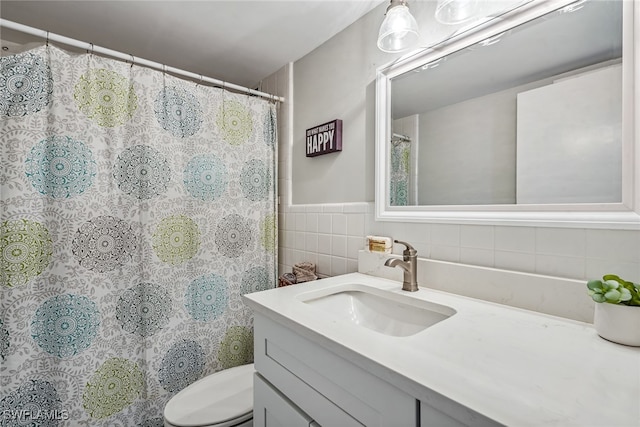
(273, 409)
(317, 380)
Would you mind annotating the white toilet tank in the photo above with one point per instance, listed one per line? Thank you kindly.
(222, 399)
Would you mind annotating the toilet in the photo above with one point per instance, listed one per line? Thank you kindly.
(222, 399)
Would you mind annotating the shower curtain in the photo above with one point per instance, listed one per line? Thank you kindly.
(399, 177)
(136, 210)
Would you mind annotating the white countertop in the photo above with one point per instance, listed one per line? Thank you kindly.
(516, 367)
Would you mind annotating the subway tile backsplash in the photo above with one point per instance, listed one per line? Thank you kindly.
(333, 234)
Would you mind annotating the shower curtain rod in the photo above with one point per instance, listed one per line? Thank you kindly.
(400, 138)
(130, 58)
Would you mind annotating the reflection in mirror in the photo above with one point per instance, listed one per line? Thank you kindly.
(529, 116)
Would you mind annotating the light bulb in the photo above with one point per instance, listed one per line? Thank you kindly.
(399, 30)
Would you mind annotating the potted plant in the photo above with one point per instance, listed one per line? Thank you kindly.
(617, 315)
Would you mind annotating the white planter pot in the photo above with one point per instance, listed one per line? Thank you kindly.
(618, 323)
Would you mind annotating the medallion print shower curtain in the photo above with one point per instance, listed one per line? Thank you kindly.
(137, 209)
(399, 182)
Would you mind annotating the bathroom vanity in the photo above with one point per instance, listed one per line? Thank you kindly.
(357, 350)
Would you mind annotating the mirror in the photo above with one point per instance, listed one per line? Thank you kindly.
(520, 117)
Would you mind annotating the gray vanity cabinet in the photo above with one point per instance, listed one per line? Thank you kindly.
(299, 379)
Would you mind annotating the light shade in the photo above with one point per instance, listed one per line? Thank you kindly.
(455, 11)
(399, 30)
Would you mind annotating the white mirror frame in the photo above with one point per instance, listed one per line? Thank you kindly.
(624, 215)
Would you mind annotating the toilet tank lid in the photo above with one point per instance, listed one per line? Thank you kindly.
(214, 399)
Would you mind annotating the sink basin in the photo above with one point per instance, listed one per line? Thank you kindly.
(381, 311)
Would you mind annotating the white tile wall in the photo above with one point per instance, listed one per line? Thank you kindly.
(570, 253)
(332, 239)
(331, 234)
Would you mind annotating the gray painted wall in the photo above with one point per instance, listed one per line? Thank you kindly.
(337, 81)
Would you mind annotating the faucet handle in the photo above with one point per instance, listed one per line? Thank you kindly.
(409, 250)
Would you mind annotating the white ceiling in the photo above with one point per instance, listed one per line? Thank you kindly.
(238, 41)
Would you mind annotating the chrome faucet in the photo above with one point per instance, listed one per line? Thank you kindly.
(409, 266)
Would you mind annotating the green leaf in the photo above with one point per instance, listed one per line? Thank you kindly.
(612, 284)
(594, 284)
(612, 296)
(625, 295)
(611, 277)
(598, 298)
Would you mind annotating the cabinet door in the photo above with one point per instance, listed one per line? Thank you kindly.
(272, 409)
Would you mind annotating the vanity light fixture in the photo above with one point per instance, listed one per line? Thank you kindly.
(399, 30)
(452, 12)
(493, 40)
(573, 6)
(434, 64)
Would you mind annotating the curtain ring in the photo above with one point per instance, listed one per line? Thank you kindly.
(47, 42)
(90, 51)
(133, 58)
(200, 82)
